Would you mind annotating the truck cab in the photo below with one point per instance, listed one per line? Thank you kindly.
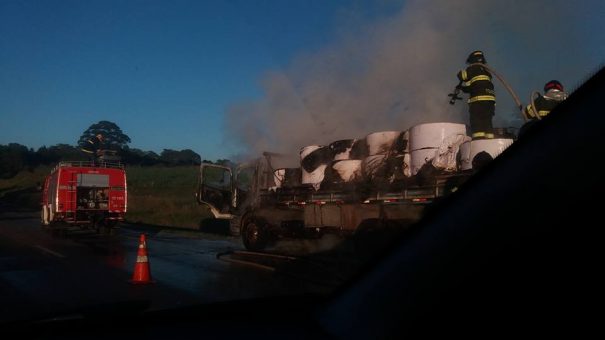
(228, 191)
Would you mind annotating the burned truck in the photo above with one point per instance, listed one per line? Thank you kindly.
(87, 194)
(385, 180)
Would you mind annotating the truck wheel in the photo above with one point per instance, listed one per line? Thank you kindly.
(255, 235)
(51, 214)
(44, 216)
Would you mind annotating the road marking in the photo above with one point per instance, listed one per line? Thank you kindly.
(46, 250)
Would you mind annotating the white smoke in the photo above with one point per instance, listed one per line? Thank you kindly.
(392, 74)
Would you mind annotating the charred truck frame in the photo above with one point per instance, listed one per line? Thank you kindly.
(87, 194)
(384, 180)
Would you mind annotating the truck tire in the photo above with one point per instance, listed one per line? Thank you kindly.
(51, 214)
(255, 235)
(44, 220)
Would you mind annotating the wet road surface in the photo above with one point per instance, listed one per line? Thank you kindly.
(46, 276)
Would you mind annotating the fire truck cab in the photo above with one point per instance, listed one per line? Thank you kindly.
(87, 194)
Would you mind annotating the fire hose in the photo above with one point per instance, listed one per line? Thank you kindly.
(454, 95)
(533, 105)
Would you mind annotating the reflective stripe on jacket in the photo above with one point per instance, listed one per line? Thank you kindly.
(477, 82)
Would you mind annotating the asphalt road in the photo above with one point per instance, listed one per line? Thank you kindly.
(44, 276)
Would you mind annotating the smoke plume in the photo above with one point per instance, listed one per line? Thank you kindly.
(392, 74)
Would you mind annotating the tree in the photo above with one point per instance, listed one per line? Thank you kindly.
(190, 157)
(183, 157)
(115, 139)
(135, 156)
(13, 158)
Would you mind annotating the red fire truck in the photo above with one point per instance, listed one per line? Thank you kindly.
(87, 194)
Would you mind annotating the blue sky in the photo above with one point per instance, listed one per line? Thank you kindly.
(164, 71)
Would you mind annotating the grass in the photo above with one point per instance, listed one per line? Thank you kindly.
(22, 189)
(162, 196)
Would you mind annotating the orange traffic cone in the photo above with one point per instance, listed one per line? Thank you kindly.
(142, 273)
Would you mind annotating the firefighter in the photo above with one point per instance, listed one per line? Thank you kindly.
(93, 146)
(477, 82)
(554, 93)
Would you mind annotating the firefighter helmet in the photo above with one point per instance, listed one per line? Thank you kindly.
(476, 57)
(553, 85)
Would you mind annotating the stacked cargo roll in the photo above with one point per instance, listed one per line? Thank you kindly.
(377, 167)
(343, 169)
(341, 149)
(475, 152)
(400, 157)
(278, 178)
(313, 160)
(435, 145)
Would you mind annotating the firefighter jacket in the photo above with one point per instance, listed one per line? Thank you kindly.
(477, 82)
(544, 104)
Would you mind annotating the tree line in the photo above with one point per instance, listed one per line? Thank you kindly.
(16, 157)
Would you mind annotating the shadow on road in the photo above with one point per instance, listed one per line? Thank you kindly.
(214, 226)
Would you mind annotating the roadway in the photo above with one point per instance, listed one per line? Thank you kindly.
(47, 276)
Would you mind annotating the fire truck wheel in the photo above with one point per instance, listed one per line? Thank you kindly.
(255, 235)
(44, 215)
(51, 214)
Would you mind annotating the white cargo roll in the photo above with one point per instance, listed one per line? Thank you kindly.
(446, 155)
(403, 142)
(341, 149)
(314, 177)
(373, 166)
(397, 167)
(348, 170)
(465, 156)
(432, 135)
(315, 174)
(305, 151)
(278, 177)
(380, 143)
(359, 149)
(494, 147)
(407, 171)
(418, 158)
(343, 155)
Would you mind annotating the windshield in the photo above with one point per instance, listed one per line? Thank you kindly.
(182, 153)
